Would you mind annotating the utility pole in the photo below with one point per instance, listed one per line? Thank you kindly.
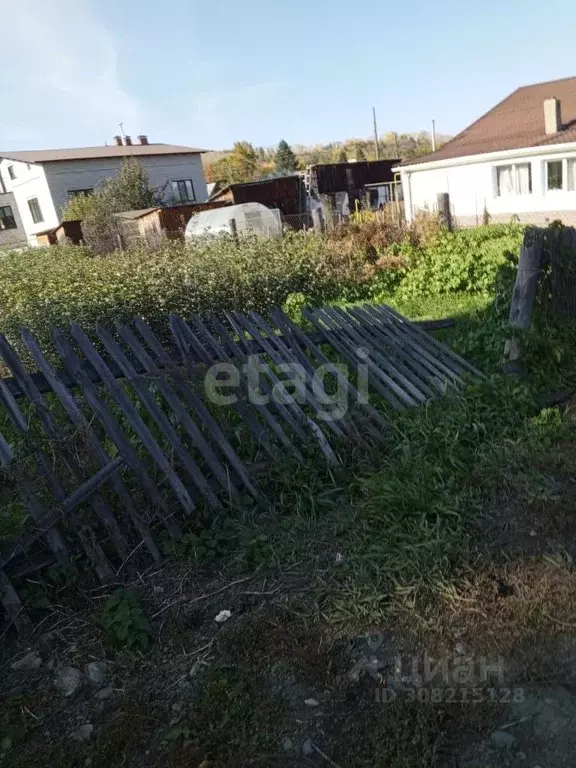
(396, 145)
(376, 134)
(433, 135)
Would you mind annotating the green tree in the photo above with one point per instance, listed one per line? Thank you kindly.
(342, 156)
(242, 164)
(360, 154)
(129, 190)
(285, 159)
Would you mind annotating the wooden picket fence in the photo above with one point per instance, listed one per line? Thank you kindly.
(117, 439)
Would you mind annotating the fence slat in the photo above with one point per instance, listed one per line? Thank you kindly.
(113, 428)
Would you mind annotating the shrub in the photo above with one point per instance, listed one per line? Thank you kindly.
(470, 260)
(54, 286)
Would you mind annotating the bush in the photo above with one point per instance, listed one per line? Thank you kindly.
(54, 286)
(471, 260)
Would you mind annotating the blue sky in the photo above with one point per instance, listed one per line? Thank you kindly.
(208, 73)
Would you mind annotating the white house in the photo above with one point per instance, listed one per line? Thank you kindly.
(518, 159)
(36, 185)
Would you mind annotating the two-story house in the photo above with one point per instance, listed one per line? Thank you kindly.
(36, 185)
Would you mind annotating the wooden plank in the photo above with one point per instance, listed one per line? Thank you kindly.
(158, 415)
(289, 328)
(75, 414)
(133, 417)
(54, 432)
(407, 382)
(13, 605)
(113, 429)
(388, 388)
(195, 403)
(180, 411)
(427, 365)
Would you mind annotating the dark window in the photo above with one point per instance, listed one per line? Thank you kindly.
(555, 175)
(11, 172)
(35, 210)
(7, 220)
(183, 191)
(75, 192)
(2, 185)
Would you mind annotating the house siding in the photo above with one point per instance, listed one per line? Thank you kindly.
(30, 182)
(10, 238)
(68, 175)
(473, 188)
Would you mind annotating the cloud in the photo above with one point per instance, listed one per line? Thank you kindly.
(60, 67)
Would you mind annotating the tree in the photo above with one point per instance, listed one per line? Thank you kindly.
(285, 159)
(242, 164)
(342, 156)
(129, 190)
(360, 154)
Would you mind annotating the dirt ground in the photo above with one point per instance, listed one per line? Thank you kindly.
(478, 675)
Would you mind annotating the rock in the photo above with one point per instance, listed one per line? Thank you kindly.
(460, 649)
(502, 740)
(339, 559)
(308, 748)
(30, 661)
(222, 617)
(287, 744)
(96, 672)
(84, 733)
(158, 590)
(521, 756)
(104, 693)
(312, 702)
(67, 680)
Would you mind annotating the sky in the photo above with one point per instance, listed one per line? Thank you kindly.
(209, 73)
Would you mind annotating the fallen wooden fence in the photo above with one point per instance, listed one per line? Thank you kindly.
(119, 440)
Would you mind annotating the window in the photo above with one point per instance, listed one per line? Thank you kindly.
(7, 220)
(572, 175)
(35, 210)
(183, 191)
(2, 185)
(11, 172)
(75, 192)
(554, 175)
(515, 179)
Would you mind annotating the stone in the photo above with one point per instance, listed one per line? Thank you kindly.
(312, 702)
(460, 649)
(287, 744)
(222, 617)
(96, 672)
(339, 559)
(502, 739)
(104, 693)
(308, 748)
(84, 733)
(30, 661)
(68, 680)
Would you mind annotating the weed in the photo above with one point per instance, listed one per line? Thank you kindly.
(124, 622)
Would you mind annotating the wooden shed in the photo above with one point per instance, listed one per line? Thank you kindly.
(66, 232)
(152, 225)
(285, 193)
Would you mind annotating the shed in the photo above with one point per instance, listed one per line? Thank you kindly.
(151, 225)
(66, 232)
(286, 193)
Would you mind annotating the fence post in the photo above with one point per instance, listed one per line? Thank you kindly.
(233, 229)
(444, 212)
(524, 294)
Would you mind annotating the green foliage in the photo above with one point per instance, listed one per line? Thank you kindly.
(342, 156)
(44, 287)
(124, 622)
(79, 207)
(241, 165)
(129, 190)
(360, 154)
(471, 260)
(285, 159)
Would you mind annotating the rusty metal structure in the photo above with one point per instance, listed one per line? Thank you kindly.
(118, 441)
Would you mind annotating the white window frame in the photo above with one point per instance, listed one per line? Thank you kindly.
(564, 161)
(41, 220)
(176, 191)
(514, 167)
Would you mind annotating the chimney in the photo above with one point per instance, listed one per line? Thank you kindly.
(127, 141)
(118, 141)
(552, 116)
(142, 139)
